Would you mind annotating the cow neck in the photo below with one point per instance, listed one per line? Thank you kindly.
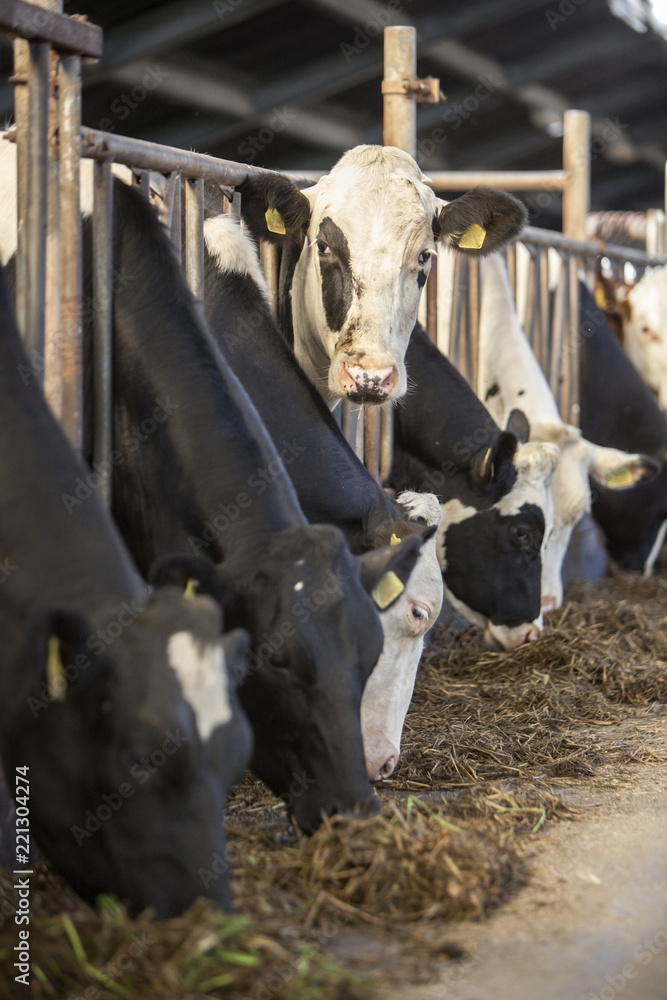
(442, 422)
(212, 451)
(53, 528)
(618, 409)
(332, 485)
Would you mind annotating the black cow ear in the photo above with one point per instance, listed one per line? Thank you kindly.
(63, 653)
(386, 571)
(518, 425)
(480, 222)
(495, 464)
(190, 574)
(236, 646)
(273, 208)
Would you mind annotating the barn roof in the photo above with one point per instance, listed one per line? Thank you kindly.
(291, 84)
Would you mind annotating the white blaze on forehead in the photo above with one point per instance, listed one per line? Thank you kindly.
(201, 672)
(233, 250)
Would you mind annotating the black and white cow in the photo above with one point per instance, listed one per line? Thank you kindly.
(356, 251)
(617, 409)
(509, 376)
(332, 484)
(494, 488)
(120, 704)
(209, 481)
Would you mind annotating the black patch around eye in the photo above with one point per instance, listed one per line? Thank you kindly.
(421, 278)
(337, 278)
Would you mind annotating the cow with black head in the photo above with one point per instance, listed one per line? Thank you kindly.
(120, 703)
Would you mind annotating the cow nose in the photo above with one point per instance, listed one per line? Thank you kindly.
(381, 761)
(548, 604)
(378, 382)
(532, 635)
(386, 769)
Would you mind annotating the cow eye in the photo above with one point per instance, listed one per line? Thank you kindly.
(277, 662)
(417, 616)
(522, 534)
(424, 256)
(323, 248)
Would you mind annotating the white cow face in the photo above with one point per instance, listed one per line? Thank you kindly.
(388, 690)
(359, 244)
(490, 559)
(645, 331)
(578, 460)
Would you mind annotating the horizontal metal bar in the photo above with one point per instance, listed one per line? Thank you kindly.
(451, 180)
(548, 237)
(66, 34)
(165, 159)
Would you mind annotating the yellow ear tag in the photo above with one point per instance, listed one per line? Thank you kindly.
(274, 221)
(485, 462)
(616, 480)
(473, 238)
(191, 589)
(394, 540)
(387, 590)
(55, 672)
(600, 298)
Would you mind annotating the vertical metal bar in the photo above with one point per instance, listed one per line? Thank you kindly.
(432, 300)
(270, 261)
(473, 314)
(35, 293)
(399, 122)
(194, 236)
(176, 223)
(372, 440)
(577, 166)
(102, 324)
(571, 345)
(69, 120)
(21, 114)
(53, 378)
(386, 442)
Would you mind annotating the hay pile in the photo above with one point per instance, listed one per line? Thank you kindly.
(494, 747)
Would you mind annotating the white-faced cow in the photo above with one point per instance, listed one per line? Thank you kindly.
(494, 487)
(356, 251)
(120, 704)
(332, 485)
(640, 314)
(209, 480)
(509, 376)
(618, 409)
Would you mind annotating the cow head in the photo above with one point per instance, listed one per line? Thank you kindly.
(579, 461)
(645, 330)
(359, 244)
(490, 558)
(389, 689)
(312, 610)
(132, 741)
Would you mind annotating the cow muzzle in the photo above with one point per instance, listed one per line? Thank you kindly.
(382, 765)
(507, 637)
(365, 383)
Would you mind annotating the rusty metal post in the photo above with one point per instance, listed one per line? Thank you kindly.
(102, 305)
(269, 256)
(576, 205)
(399, 119)
(194, 237)
(33, 297)
(71, 334)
